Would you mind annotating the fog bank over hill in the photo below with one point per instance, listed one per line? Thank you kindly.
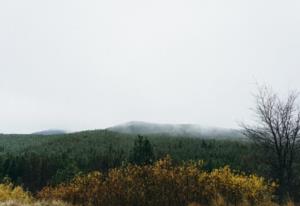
(189, 130)
(50, 132)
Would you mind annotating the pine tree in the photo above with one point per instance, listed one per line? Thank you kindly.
(142, 152)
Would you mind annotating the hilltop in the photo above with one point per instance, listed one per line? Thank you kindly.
(188, 130)
(50, 132)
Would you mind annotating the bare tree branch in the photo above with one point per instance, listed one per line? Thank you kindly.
(277, 129)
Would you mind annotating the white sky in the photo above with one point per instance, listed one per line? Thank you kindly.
(76, 65)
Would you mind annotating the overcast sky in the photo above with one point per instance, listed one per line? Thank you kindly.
(77, 65)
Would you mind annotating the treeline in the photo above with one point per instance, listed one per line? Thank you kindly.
(36, 161)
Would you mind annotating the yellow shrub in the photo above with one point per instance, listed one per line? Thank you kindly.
(236, 188)
(163, 184)
(9, 192)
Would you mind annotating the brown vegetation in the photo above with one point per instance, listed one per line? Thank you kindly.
(163, 184)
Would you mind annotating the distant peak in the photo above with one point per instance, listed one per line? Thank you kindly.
(50, 132)
(189, 130)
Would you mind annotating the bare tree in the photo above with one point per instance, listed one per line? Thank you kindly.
(277, 131)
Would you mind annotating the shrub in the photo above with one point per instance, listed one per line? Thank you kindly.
(38, 203)
(163, 184)
(9, 192)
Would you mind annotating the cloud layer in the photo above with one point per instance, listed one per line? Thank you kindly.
(76, 65)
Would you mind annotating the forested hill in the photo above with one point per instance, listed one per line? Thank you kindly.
(188, 130)
(38, 160)
(18, 143)
(101, 140)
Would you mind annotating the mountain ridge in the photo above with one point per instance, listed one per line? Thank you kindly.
(50, 132)
(192, 130)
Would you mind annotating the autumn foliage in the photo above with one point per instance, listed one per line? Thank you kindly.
(9, 192)
(163, 183)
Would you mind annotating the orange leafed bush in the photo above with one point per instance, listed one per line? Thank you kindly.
(162, 184)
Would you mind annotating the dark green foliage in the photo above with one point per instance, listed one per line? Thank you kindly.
(35, 161)
(142, 151)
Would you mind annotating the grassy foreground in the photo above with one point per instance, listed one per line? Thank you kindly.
(35, 203)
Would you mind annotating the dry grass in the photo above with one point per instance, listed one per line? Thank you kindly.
(37, 203)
